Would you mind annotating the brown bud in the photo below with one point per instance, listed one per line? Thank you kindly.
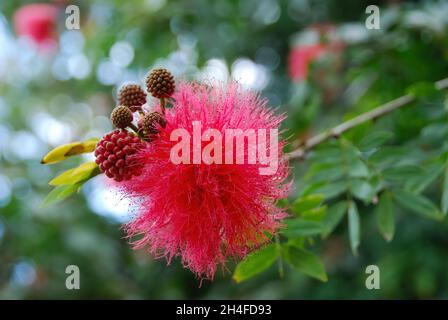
(121, 117)
(132, 96)
(160, 83)
(151, 121)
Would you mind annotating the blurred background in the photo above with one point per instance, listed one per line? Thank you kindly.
(314, 59)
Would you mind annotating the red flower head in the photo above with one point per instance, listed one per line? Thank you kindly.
(207, 213)
(38, 22)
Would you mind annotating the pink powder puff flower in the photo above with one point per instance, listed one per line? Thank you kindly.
(207, 213)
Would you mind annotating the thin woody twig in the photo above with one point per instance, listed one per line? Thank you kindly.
(336, 131)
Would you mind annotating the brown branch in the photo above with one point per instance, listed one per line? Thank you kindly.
(336, 131)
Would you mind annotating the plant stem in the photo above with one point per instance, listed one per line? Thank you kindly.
(135, 129)
(281, 271)
(336, 131)
(162, 105)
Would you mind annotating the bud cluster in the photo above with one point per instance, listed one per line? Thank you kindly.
(115, 152)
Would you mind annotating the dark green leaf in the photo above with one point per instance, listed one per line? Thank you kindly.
(418, 204)
(301, 227)
(386, 216)
(402, 173)
(374, 140)
(306, 262)
(324, 172)
(327, 155)
(331, 190)
(354, 227)
(362, 190)
(334, 216)
(419, 183)
(390, 155)
(354, 165)
(445, 193)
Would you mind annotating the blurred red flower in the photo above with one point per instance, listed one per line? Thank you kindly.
(300, 57)
(37, 21)
(323, 41)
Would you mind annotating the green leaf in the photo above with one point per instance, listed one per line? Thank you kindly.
(362, 190)
(445, 193)
(423, 90)
(283, 203)
(59, 193)
(301, 227)
(386, 216)
(307, 202)
(354, 227)
(356, 167)
(67, 150)
(298, 242)
(334, 216)
(331, 190)
(327, 155)
(374, 140)
(390, 155)
(306, 262)
(84, 172)
(255, 263)
(418, 204)
(419, 183)
(402, 173)
(315, 214)
(324, 172)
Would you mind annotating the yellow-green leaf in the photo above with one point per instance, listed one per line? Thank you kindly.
(62, 152)
(255, 263)
(85, 171)
(315, 214)
(307, 202)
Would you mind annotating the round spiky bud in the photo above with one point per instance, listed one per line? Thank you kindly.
(132, 96)
(151, 122)
(114, 155)
(121, 117)
(160, 83)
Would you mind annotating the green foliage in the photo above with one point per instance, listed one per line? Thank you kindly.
(306, 262)
(306, 203)
(255, 263)
(374, 140)
(377, 175)
(418, 204)
(354, 227)
(60, 193)
(385, 213)
(79, 174)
